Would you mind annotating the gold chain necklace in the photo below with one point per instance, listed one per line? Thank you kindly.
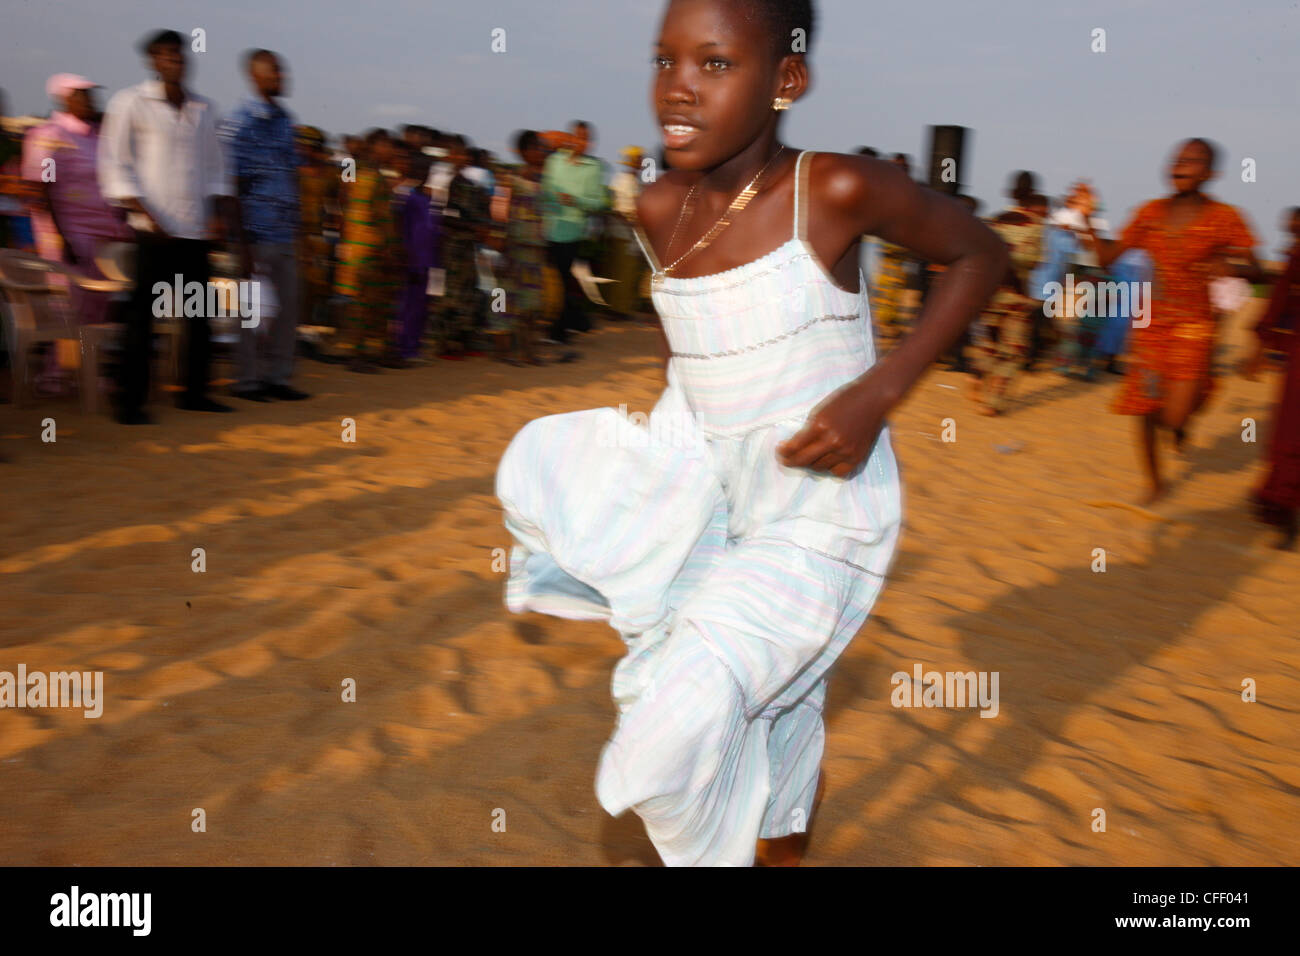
(739, 203)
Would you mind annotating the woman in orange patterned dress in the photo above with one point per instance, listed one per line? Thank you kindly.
(1190, 238)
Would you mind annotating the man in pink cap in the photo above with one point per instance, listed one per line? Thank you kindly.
(71, 220)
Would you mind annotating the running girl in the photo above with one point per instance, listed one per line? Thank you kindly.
(738, 564)
(1189, 237)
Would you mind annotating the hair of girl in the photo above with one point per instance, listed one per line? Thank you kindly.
(781, 18)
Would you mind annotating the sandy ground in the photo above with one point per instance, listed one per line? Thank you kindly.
(374, 560)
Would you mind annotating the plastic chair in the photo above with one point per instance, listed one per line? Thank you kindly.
(40, 311)
(37, 309)
(116, 262)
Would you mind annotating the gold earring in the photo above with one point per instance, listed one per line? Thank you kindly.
(781, 103)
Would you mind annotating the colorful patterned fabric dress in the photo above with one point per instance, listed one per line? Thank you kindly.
(526, 254)
(1177, 343)
(316, 184)
(464, 216)
(891, 286)
(369, 264)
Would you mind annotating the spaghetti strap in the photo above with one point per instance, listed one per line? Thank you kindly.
(800, 191)
(647, 250)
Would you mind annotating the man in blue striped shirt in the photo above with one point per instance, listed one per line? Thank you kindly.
(260, 141)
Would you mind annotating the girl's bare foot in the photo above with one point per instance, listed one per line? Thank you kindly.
(789, 850)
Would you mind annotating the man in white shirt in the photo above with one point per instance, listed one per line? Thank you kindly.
(160, 159)
(1070, 216)
(441, 173)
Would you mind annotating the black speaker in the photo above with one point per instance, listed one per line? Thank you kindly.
(946, 143)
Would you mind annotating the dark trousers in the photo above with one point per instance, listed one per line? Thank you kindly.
(161, 260)
(573, 315)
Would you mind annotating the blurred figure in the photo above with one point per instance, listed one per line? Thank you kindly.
(869, 246)
(1189, 237)
(890, 305)
(417, 137)
(388, 167)
(15, 223)
(1065, 242)
(318, 181)
(1278, 499)
(71, 219)
(627, 264)
(464, 225)
(441, 173)
(420, 225)
(1060, 252)
(478, 170)
(264, 160)
(369, 254)
(353, 146)
(1002, 340)
(160, 159)
(526, 247)
(571, 191)
(893, 300)
(1133, 266)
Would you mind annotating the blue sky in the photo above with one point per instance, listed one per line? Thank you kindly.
(1019, 73)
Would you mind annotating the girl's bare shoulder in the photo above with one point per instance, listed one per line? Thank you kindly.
(848, 185)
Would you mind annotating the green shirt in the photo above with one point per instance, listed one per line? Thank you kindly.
(583, 181)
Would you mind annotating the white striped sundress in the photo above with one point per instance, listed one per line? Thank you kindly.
(734, 581)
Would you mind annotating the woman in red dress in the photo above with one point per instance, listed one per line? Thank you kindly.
(1190, 238)
(1278, 499)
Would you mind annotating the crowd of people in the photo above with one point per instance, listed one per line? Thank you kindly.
(405, 247)
(1147, 305)
(397, 247)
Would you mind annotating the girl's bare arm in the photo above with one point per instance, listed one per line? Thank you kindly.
(857, 195)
